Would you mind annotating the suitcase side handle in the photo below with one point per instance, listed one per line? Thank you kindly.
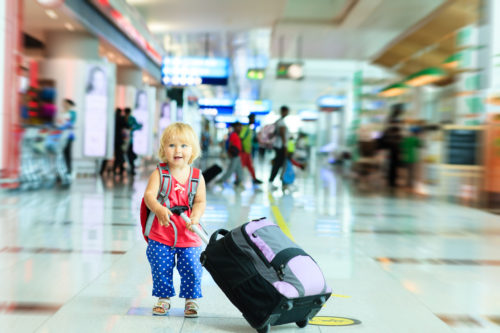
(218, 232)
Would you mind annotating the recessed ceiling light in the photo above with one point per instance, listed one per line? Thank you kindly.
(50, 3)
(69, 26)
(50, 13)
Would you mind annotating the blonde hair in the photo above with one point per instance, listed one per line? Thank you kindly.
(184, 133)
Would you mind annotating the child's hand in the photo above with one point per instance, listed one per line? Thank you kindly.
(190, 225)
(163, 216)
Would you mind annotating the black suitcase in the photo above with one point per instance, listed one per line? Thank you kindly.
(212, 172)
(267, 291)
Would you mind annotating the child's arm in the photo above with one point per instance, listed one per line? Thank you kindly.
(161, 212)
(199, 204)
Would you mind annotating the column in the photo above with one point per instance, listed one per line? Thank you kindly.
(10, 49)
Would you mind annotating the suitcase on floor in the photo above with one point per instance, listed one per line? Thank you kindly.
(268, 277)
(212, 172)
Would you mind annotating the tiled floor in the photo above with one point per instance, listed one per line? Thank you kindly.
(74, 260)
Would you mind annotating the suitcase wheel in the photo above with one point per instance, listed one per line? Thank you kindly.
(302, 323)
(264, 329)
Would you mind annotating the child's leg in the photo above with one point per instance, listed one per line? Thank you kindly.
(162, 260)
(190, 270)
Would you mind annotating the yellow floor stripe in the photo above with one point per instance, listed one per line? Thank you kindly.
(279, 218)
(344, 296)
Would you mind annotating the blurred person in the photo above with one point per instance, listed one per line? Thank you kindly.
(179, 147)
(67, 122)
(96, 83)
(391, 141)
(409, 155)
(206, 140)
(367, 163)
(233, 151)
(121, 136)
(246, 136)
(132, 125)
(279, 145)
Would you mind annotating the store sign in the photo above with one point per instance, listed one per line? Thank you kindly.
(330, 103)
(256, 73)
(294, 71)
(463, 147)
(243, 107)
(183, 71)
(214, 106)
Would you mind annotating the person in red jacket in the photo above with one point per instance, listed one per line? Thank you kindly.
(233, 151)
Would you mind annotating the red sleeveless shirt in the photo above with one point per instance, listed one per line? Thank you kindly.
(178, 197)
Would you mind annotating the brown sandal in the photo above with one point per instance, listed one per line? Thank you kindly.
(191, 309)
(161, 308)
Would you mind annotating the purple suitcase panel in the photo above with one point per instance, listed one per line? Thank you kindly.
(251, 228)
(306, 271)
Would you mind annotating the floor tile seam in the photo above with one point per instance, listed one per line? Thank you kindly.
(392, 276)
(484, 320)
(70, 300)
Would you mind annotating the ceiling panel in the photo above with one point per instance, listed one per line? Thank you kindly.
(437, 32)
(208, 15)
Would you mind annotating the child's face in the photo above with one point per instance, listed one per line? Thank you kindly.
(178, 153)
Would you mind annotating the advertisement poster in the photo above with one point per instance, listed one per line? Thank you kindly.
(141, 114)
(164, 117)
(96, 105)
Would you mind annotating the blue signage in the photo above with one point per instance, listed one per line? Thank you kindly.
(182, 71)
(331, 101)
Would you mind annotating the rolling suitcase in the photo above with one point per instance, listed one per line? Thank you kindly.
(269, 278)
(212, 172)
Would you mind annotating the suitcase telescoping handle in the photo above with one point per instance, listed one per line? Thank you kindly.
(179, 210)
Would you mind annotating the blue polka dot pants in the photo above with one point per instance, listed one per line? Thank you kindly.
(163, 258)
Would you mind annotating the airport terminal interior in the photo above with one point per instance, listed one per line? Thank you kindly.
(364, 134)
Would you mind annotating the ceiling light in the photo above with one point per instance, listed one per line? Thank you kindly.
(395, 89)
(50, 13)
(50, 3)
(452, 62)
(69, 26)
(426, 76)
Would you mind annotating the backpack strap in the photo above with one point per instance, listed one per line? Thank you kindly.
(165, 184)
(194, 180)
(162, 197)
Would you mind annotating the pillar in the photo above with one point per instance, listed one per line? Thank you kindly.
(10, 50)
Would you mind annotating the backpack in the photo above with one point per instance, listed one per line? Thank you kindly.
(288, 174)
(147, 217)
(232, 150)
(267, 135)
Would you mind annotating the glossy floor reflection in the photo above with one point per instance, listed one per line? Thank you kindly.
(74, 260)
